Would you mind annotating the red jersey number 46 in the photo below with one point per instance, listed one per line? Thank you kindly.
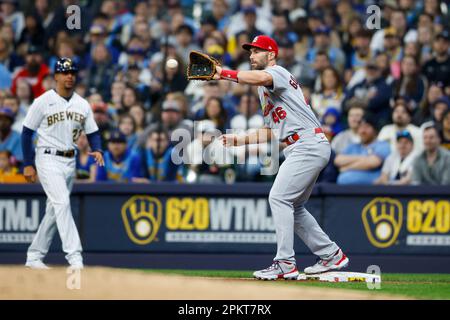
(278, 114)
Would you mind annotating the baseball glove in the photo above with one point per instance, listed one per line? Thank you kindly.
(201, 66)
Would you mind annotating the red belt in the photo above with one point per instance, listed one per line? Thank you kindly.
(294, 137)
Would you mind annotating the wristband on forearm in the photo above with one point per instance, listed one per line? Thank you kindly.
(231, 75)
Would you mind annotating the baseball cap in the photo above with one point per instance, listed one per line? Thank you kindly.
(65, 65)
(370, 120)
(404, 134)
(185, 27)
(99, 107)
(97, 29)
(322, 30)
(117, 137)
(285, 43)
(390, 32)
(32, 49)
(390, 3)
(209, 20)
(7, 112)
(296, 14)
(171, 106)
(262, 42)
(444, 100)
(443, 35)
(136, 51)
(315, 14)
(248, 10)
(206, 126)
(439, 84)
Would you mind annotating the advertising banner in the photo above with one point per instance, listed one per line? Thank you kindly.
(20, 217)
(233, 219)
(387, 225)
(182, 224)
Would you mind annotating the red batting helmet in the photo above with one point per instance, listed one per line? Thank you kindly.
(262, 42)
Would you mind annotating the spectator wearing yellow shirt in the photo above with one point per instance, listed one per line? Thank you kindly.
(8, 172)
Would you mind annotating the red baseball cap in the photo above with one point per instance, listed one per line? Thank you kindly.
(262, 42)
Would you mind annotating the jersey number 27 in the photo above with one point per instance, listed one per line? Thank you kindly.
(76, 133)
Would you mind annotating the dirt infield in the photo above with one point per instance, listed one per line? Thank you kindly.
(17, 282)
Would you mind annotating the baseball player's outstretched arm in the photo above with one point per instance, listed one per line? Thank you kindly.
(260, 136)
(251, 77)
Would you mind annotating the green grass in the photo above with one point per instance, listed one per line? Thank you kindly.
(418, 286)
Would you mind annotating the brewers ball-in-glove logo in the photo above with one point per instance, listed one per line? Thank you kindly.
(382, 219)
(67, 64)
(142, 216)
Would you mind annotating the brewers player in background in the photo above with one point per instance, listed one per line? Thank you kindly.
(58, 117)
(287, 115)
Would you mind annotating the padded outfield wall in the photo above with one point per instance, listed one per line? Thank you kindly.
(169, 218)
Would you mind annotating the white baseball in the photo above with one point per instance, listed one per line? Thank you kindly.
(172, 63)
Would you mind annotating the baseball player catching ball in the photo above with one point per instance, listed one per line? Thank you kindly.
(58, 116)
(288, 116)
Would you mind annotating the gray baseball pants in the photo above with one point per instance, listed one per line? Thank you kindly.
(292, 187)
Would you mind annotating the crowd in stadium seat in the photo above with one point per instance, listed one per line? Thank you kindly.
(379, 84)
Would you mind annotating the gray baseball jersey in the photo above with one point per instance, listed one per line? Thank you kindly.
(59, 122)
(284, 106)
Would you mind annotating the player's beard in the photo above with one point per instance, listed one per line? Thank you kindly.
(260, 65)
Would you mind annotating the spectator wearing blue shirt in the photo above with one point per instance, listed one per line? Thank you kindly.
(120, 162)
(249, 17)
(281, 28)
(219, 12)
(9, 139)
(9, 59)
(85, 163)
(361, 53)
(361, 163)
(156, 160)
(5, 77)
(322, 42)
(374, 92)
(127, 126)
(102, 71)
(98, 35)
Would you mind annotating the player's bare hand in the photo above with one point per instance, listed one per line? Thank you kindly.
(98, 158)
(229, 140)
(29, 173)
(218, 72)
